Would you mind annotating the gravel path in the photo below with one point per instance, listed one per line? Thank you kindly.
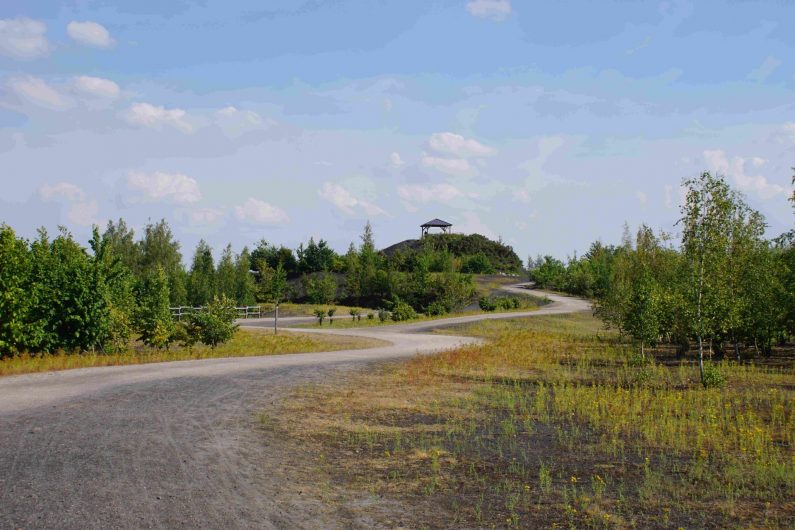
(175, 445)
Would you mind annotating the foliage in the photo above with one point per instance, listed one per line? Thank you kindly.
(153, 317)
(215, 324)
(477, 264)
(320, 288)
(320, 315)
(487, 304)
(402, 311)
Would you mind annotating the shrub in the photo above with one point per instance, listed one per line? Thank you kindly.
(331, 312)
(436, 309)
(403, 311)
(712, 377)
(320, 314)
(487, 304)
(477, 264)
(216, 324)
(370, 316)
(355, 314)
(383, 314)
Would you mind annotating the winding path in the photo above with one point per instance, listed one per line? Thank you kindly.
(174, 445)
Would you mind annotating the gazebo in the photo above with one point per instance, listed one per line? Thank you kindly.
(436, 223)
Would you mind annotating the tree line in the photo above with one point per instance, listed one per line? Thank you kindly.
(56, 294)
(723, 286)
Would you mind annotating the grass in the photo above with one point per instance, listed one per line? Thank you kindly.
(245, 343)
(344, 320)
(557, 423)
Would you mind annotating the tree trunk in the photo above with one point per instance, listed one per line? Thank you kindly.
(276, 320)
(642, 351)
(701, 358)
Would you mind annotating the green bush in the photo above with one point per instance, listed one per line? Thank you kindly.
(402, 311)
(436, 309)
(216, 324)
(487, 304)
(712, 377)
(383, 315)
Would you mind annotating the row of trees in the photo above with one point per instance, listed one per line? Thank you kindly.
(724, 284)
(57, 295)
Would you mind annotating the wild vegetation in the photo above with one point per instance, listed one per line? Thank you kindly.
(56, 295)
(725, 288)
(554, 423)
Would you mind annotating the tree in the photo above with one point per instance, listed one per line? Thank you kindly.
(216, 323)
(16, 326)
(315, 257)
(201, 282)
(706, 223)
(320, 289)
(121, 243)
(153, 317)
(225, 283)
(158, 247)
(274, 289)
(245, 286)
(642, 319)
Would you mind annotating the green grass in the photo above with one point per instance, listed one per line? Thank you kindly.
(245, 343)
(555, 422)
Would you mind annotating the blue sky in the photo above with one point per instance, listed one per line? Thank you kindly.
(548, 124)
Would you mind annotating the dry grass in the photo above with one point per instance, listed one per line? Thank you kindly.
(557, 423)
(245, 343)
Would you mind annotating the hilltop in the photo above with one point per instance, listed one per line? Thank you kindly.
(470, 250)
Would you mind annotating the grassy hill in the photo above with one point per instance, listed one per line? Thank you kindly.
(469, 249)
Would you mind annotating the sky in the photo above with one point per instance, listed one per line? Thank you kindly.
(546, 124)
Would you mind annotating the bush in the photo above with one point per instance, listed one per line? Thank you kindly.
(508, 303)
(403, 311)
(487, 304)
(320, 314)
(216, 324)
(436, 309)
(370, 316)
(383, 314)
(712, 377)
(477, 264)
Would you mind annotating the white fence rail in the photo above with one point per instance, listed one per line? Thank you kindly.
(252, 311)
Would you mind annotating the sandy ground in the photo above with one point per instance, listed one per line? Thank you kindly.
(175, 445)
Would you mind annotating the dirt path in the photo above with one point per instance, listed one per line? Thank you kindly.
(176, 445)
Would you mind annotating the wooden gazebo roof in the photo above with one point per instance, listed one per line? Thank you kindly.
(436, 223)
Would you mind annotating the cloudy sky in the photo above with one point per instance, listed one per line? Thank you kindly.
(548, 124)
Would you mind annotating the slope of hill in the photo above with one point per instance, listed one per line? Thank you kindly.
(501, 256)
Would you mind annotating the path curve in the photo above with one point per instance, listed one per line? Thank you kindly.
(174, 444)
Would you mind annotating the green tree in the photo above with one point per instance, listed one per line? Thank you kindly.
(245, 285)
(706, 225)
(159, 248)
(216, 323)
(225, 283)
(17, 330)
(642, 319)
(320, 289)
(201, 281)
(153, 317)
(274, 289)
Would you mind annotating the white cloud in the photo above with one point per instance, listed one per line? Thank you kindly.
(456, 145)
(205, 216)
(496, 10)
(160, 186)
(395, 160)
(80, 211)
(521, 195)
(62, 190)
(38, 92)
(97, 87)
(147, 115)
(765, 69)
(90, 34)
(738, 169)
(443, 193)
(642, 197)
(255, 211)
(23, 38)
(235, 122)
(473, 225)
(452, 166)
(346, 201)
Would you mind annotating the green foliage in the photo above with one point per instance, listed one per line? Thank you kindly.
(320, 315)
(16, 326)
(331, 312)
(402, 311)
(487, 304)
(201, 282)
(712, 378)
(215, 324)
(383, 315)
(441, 251)
(153, 319)
(436, 309)
(477, 264)
(321, 288)
(316, 257)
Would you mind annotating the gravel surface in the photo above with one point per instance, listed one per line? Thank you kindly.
(176, 445)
